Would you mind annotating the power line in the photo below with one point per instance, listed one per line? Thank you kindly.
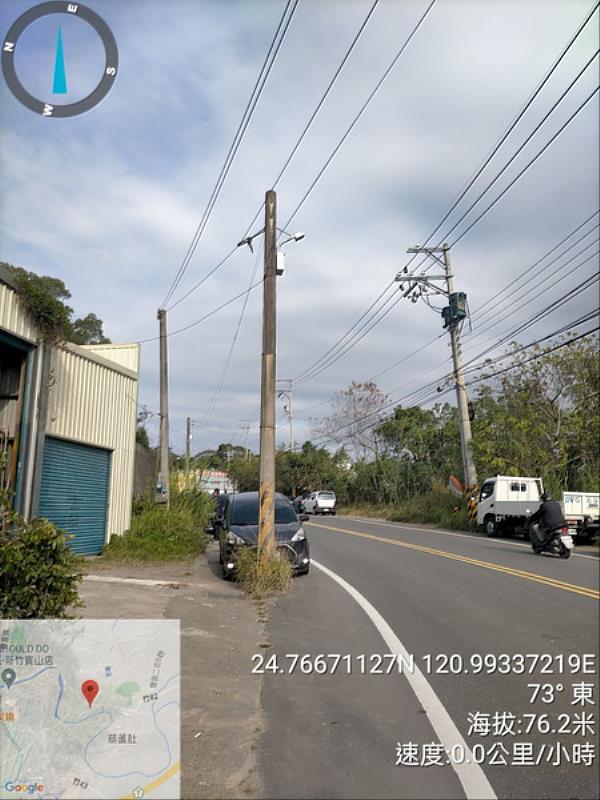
(259, 85)
(527, 166)
(521, 148)
(376, 317)
(360, 113)
(293, 152)
(206, 316)
(219, 390)
(543, 258)
(395, 403)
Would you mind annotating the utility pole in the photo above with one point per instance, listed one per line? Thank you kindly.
(188, 447)
(453, 315)
(247, 445)
(163, 475)
(266, 534)
(286, 391)
(462, 399)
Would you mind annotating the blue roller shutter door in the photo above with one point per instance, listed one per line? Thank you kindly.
(74, 493)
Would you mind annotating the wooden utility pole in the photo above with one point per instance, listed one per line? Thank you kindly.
(188, 447)
(266, 535)
(163, 475)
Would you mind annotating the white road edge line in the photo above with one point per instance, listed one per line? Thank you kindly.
(471, 776)
(135, 581)
(403, 526)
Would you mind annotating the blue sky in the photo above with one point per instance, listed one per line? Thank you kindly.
(109, 201)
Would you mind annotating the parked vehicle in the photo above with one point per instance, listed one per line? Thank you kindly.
(506, 502)
(239, 529)
(320, 503)
(557, 541)
(582, 512)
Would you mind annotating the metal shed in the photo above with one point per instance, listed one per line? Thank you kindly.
(67, 427)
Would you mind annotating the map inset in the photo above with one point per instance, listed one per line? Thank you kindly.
(89, 709)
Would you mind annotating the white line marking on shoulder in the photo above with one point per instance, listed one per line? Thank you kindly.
(471, 776)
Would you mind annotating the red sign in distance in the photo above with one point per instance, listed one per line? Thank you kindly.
(89, 690)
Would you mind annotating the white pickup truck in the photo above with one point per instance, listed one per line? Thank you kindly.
(582, 512)
(506, 502)
(320, 503)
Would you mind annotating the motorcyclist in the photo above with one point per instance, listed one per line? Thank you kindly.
(547, 518)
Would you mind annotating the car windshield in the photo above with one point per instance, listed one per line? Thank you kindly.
(245, 512)
(326, 495)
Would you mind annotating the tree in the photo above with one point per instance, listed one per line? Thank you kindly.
(541, 417)
(353, 423)
(87, 330)
(45, 299)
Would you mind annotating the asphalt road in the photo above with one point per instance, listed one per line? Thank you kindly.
(442, 594)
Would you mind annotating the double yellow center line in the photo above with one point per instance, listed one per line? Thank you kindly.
(518, 573)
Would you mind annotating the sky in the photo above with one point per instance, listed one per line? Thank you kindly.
(109, 200)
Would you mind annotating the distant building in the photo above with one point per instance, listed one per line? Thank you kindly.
(210, 479)
(67, 427)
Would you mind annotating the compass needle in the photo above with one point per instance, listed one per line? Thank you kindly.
(60, 77)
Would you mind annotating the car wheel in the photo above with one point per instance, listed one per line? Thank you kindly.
(491, 526)
(333, 513)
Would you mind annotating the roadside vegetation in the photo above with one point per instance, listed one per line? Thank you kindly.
(39, 573)
(538, 416)
(158, 533)
(264, 574)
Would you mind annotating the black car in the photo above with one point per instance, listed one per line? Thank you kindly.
(240, 529)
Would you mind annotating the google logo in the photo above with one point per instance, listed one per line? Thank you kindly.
(23, 788)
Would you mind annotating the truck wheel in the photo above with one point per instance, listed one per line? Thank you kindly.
(491, 526)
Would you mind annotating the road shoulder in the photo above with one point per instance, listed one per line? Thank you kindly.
(220, 630)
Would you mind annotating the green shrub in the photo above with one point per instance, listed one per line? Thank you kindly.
(262, 575)
(159, 533)
(39, 573)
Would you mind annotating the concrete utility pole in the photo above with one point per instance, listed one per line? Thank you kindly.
(266, 534)
(462, 399)
(188, 447)
(452, 316)
(163, 475)
(286, 391)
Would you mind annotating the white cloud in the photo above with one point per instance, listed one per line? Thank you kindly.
(109, 201)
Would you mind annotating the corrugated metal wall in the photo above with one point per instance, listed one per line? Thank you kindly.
(75, 492)
(127, 355)
(13, 316)
(95, 404)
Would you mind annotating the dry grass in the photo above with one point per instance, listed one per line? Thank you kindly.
(264, 574)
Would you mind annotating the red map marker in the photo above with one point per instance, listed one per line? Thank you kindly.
(89, 690)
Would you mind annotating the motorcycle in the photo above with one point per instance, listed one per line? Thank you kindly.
(557, 541)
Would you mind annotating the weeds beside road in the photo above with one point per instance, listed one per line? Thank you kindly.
(439, 508)
(158, 533)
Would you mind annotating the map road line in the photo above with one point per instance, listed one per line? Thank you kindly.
(158, 782)
(470, 775)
